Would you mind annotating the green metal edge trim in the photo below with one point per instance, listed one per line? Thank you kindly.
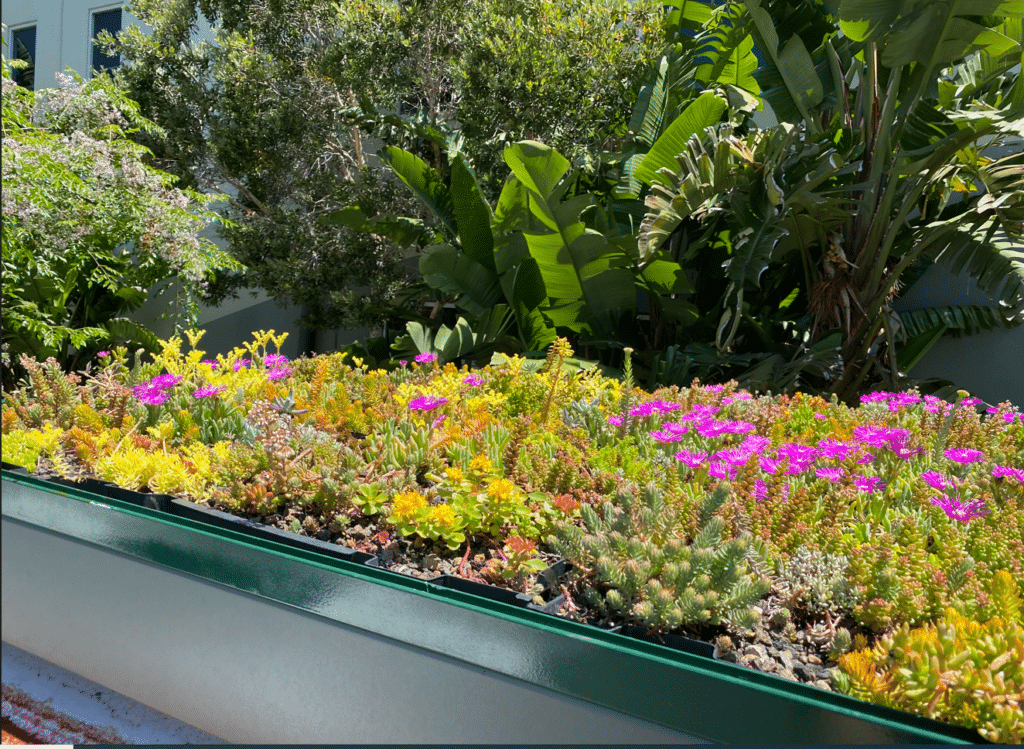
(809, 708)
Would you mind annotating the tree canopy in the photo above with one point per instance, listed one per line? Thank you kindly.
(284, 109)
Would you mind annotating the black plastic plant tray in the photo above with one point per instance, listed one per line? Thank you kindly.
(494, 593)
(185, 509)
(676, 642)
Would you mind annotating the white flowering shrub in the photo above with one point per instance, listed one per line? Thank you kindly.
(90, 228)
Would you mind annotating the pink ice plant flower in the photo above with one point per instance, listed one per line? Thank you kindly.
(275, 360)
(102, 354)
(472, 380)
(655, 406)
(615, 421)
(213, 364)
(769, 465)
(666, 436)
(1003, 472)
(754, 443)
(692, 459)
(832, 474)
(733, 456)
(278, 372)
(957, 509)
(905, 451)
(934, 479)
(209, 391)
(427, 402)
(831, 449)
(800, 457)
(154, 392)
(869, 484)
(965, 455)
(426, 358)
(240, 364)
(1014, 416)
(721, 471)
(438, 421)
(877, 397)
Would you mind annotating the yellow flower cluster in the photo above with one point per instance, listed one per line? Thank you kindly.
(407, 505)
(442, 515)
(500, 489)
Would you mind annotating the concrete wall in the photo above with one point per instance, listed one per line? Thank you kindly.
(990, 364)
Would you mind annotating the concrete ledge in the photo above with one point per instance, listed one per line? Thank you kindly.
(56, 706)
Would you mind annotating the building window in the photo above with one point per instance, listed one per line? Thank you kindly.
(23, 47)
(107, 20)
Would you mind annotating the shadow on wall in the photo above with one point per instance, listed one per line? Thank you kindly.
(990, 363)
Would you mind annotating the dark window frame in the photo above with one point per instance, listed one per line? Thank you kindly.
(25, 37)
(104, 20)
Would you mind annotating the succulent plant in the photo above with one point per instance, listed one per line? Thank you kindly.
(651, 573)
(955, 670)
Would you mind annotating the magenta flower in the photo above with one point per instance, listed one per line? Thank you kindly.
(869, 483)
(615, 421)
(831, 449)
(655, 406)
(873, 435)
(426, 358)
(879, 397)
(1002, 472)
(700, 411)
(210, 391)
(692, 459)
(958, 510)
(820, 417)
(438, 421)
(102, 354)
(240, 364)
(904, 450)
(666, 436)
(711, 428)
(165, 381)
(733, 456)
(934, 404)
(800, 456)
(715, 388)
(213, 364)
(934, 479)
(760, 490)
(721, 471)
(902, 400)
(275, 360)
(403, 362)
(427, 402)
(970, 402)
(278, 373)
(769, 465)
(832, 474)
(965, 455)
(473, 380)
(1014, 416)
(754, 443)
(865, 458)
(153, 397)
(740, 395)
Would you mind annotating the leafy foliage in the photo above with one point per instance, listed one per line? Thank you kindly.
(89, 228)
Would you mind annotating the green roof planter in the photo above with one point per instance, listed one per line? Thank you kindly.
(252, 640)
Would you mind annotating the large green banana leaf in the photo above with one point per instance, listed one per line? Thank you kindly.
(589, 280)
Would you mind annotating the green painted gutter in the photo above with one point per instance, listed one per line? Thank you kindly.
(610, 685)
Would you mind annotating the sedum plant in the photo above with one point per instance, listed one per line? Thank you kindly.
(645, 568)
(956, 670)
